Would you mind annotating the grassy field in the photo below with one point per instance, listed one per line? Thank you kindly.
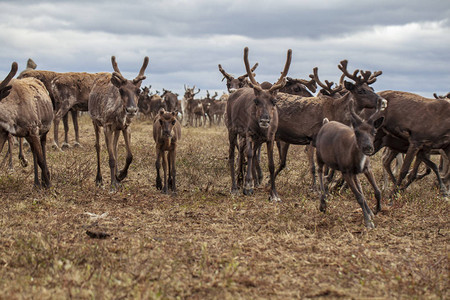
(205, 244)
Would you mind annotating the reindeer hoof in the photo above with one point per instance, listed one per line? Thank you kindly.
(234, 191)
(274, 198)
(56, 147)
(248, 192)
(65, 146)
(323, 206)
(77, 145)
(158, 184)
(369, 224)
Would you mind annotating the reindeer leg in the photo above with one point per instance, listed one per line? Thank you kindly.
(4, 136)
(282, 151)
(434, 167)
(258, 164)
(112, 159)
(312, 167)
(388, 156)
(352, 182)
(158, 167)
(45, 174)
(164, 157)
(98, 178)
(65, 145)
(273, 196)
(75, 127)
(323, 191)
(232, 138)
(248, 184)
(241, 162)
(22, 159)
(410, 154)
(369, 175)
(127, 138)
(38, 160)
(172, 170)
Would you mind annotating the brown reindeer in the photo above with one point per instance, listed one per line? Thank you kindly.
(191, 103)
(71, 93)
(166, 133)
(112, 105)
(170, 99)
(301, 117)
(345, 149)
(422, 123)
(26, 111)
(252, 114)
(233, 84)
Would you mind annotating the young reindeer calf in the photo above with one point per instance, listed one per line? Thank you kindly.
(166, 133)
(345, 149)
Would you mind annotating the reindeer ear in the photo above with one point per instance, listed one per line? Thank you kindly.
(174, 113)
(116, 79)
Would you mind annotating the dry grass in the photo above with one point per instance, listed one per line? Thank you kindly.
(205, 244)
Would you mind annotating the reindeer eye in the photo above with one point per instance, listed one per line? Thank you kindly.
(256, 101)
(173, 122)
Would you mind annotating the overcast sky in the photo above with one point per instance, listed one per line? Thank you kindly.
(186, 40)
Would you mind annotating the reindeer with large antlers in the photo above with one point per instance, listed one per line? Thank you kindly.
(191, 103)
(252, 114)
(26, 111)
(112, 105)
(300, 118)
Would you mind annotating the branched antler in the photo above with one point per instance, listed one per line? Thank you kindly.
(327, 86)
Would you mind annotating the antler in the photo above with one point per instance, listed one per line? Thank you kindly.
(328, 85)
(254, 83)
(373, 78)
(31, 64)
(282, 80)
(10, 76)
(114, 64)
(343, 67)
(311, 85)
(242, 77)
(141, 75)
(225, 74)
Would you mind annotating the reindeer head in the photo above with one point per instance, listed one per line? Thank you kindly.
(167, 121)
(299, 87)
(235, 83)
(265, 99)
(365, 130)
(4, 87)
(189, 92)
(363, 94)
(129, 89)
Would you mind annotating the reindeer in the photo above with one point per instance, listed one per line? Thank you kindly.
(26, 112)
(252, 114)
(420, 123)
(300, 118)
(170, 99)
(233, 84)
(191, 103)
(166, 133)
(112, 105)
(71, 93)
(346, 148)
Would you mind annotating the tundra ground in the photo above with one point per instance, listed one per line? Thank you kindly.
(204, 243)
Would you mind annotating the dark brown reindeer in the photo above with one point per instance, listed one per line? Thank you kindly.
(112, 105)
(252, 114)
(26, 112)
(300, 118)
(233, 84)
(422, 123)
(346, 149)
(170, 99)
(166, 133)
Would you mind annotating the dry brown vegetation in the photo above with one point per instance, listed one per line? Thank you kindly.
(205, 244)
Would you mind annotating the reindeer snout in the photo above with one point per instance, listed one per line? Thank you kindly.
(132, 110)
(264, 122)
(367, 150)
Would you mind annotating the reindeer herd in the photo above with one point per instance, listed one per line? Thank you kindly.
(342, 126)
